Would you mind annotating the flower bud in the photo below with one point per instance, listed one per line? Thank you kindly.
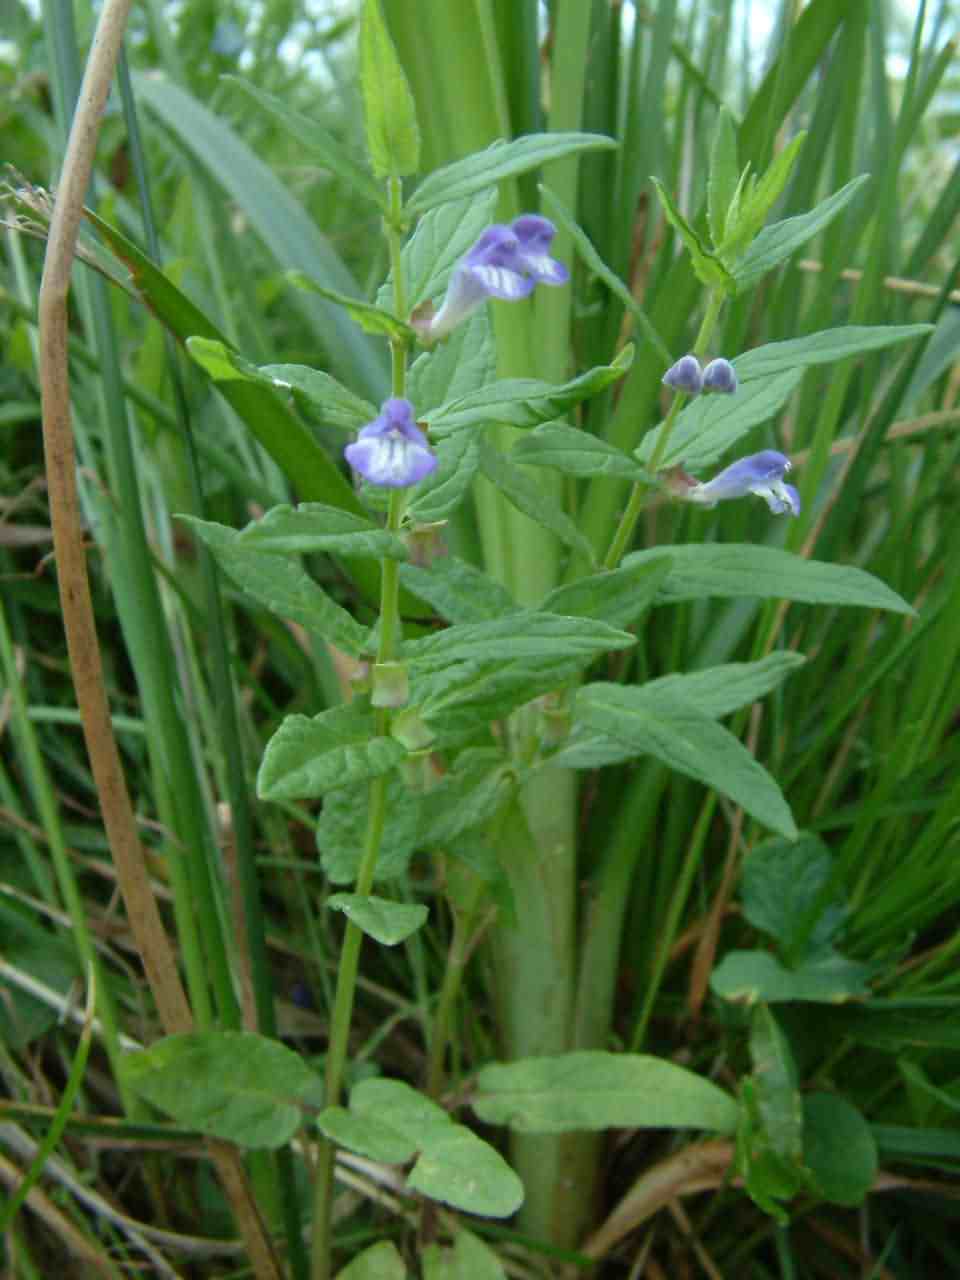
(684, 376)
(720, 375)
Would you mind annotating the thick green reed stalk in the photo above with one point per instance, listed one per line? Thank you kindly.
(438, 45)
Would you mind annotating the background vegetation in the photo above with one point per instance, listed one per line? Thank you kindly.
(862, 738)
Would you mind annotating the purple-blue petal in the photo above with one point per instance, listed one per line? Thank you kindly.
(391, 450)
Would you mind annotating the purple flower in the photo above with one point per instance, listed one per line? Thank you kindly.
(684, 376)
(720, 375)
(392, 450)
(760, 473)
(506, 262)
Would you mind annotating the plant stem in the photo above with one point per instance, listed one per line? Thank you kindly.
(631, 514)
(348, 967)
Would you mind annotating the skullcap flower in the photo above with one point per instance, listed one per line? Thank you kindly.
(720, 375)
(761, 474)
(507, 262)
(684, 376)
(392, 450)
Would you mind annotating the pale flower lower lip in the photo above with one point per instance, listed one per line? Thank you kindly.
(392, 451)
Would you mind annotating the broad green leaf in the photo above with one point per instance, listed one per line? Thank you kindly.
(595, 264)
(440, 240)
(469, 795)
(454, 700)
(707, 266)
(734, 570)
(279, 584)
(312, 528)
(540, 636)
(781, 882)
(460, 1169)
(524, 494)
(312, 136)
(590, 1089)
(524, 402)
(822, 348)
(827, 978)
(381, 1261)
(776, 1078)
(369, 1135)
(342, 829)
(415, 1116)
(449, 484)
(370, 318)
(393, 136)
(707, 428)
(575, 452)
(459, 591)
(717, 691)
(229, 1084)
(384, 921)
(615, 596)
(724, 171)
(463, 364)
(686, 739)
(776, 243)
(839, 1149)
(222, 363)
(333, 404)
(338, 748)
(469, 1259)
(767, 1177)
(501, 160)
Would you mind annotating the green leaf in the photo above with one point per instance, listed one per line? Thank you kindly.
(384, 921)
(758, 201)
(381, 1261)
(823, 348)
(459, 591)
(460, 1169)
(338, 748)
(229, 1084)
(706, 265)
(279, 584)
(590, 1089)
(769, 1151)
(468, 796)
(411, 1113)
(342, 828)
(839, 1148)
(781, 882)
(333, 404)
(524, 494)
(595, 264)
(469, 1259)
(735, 570)
(393, 136)
(686, 739)
(312, 137)
(368, 1135)
(448, 485)
(707, 428)
(222, 363)
(539, 636)
(827, 978)
(312, 527)
(724, 170)
(615, 596)
(462, 364)
(441, 239)
(524, 402)
(502, 160)
(776, 243)
(370, 318)
(575, 452)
